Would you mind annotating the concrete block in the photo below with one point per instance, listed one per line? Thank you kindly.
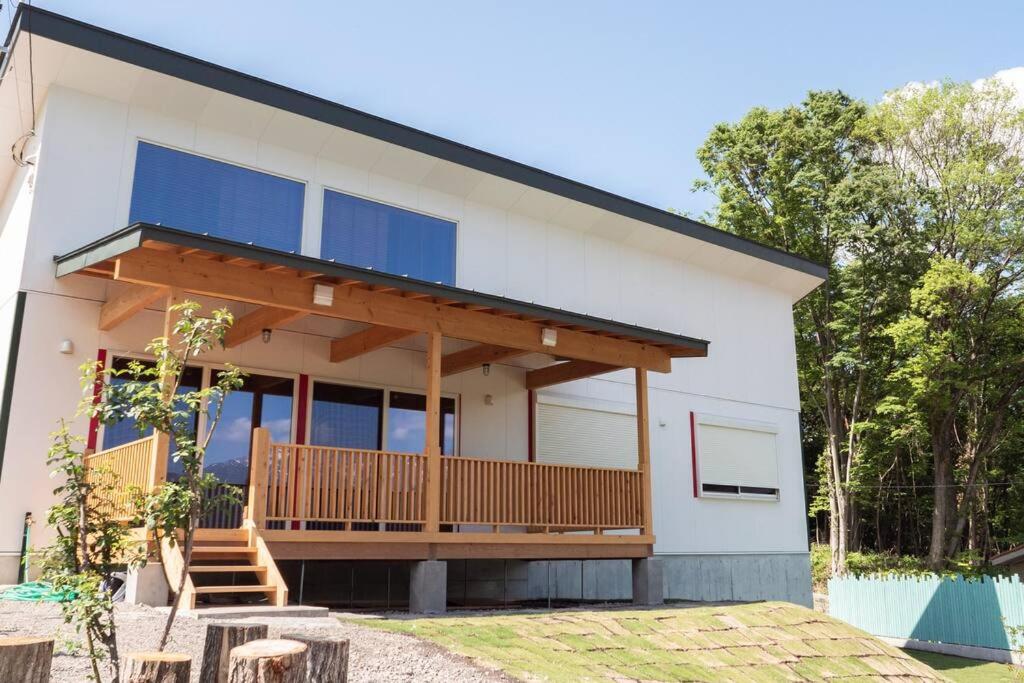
(147, 586)
(428, 587)
(648, 581)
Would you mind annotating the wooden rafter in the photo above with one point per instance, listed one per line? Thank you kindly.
(252, 324)
(127, 304)
(210, 278)
(566, 372)
(365, 341)
(475, 356)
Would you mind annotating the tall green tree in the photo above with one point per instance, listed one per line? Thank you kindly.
(804, 179)
(957, 154)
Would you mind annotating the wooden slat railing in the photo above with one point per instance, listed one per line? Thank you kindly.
(321, 484)
(126, 469)
(552, 497)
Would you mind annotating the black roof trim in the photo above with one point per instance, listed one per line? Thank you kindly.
(134, 235)
(78, 34)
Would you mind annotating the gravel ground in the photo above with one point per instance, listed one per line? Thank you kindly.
(375, 655)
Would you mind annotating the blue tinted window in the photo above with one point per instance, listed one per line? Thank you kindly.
(362, 233)
(189, 192)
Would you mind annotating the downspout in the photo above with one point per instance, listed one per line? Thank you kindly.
(12, 366)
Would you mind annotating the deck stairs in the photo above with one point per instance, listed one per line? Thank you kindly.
(229, 566)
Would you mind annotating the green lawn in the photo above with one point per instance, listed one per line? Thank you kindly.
(752, 642)
(961, 670)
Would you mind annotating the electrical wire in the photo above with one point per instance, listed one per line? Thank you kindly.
(19, 145)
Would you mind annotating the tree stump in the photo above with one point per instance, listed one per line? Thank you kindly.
(157, 667)
(326, 657)
(268, 661)
(221, 639)
(25, 659)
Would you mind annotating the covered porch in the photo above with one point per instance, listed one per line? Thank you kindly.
(308, 501)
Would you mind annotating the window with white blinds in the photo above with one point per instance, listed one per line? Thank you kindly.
(736, 457)
(591, 434)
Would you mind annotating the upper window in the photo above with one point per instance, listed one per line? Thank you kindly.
(194, 193)
(735, 458)
(359, 232)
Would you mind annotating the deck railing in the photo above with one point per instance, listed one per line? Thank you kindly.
(320, 484)
(349, 489)
(125, 470)
(552, 497)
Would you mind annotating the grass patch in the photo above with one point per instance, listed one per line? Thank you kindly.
(758, 642)
(962, 670)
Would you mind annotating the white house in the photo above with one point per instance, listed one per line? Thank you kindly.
(468, 373)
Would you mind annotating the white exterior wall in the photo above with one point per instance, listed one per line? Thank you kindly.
(507, 245)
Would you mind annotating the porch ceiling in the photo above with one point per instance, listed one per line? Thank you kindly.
(161, 257)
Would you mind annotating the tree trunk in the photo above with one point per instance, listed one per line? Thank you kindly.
(158, 667)
(943, 479)
(221, 639)
(268, 661)
(25, 659)
(326, 657)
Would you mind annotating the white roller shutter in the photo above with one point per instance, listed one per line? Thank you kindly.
(739, 453)
(594, 434)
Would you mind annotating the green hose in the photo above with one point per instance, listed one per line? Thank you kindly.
(36, 591)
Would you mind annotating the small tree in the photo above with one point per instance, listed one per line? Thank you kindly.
(91, 545)
(152, 396)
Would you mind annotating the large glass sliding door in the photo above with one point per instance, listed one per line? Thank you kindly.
(263, 401)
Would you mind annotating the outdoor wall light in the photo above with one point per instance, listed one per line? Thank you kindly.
(549, 336)
(487, 369)
(67, 346)
(323, 295)
(266, 335)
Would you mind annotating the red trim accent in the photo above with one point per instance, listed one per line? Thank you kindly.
(693, 451)
(97, 391)
(302, 411)
(531, 414)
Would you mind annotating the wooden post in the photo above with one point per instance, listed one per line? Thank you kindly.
(157, 667)
(643, 442)
(174, 297)
(257, 508)
(432, 447)
(158, 460)
(268, 661)
(326, 657)
(25, 659)
(221, 639)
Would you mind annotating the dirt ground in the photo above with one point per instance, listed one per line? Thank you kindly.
(375, 655)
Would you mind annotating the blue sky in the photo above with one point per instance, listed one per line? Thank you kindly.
(615, 94)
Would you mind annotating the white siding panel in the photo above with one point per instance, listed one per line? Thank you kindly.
(575, 435)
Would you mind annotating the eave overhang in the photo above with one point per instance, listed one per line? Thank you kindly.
(99, 259)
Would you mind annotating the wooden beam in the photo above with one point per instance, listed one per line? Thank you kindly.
(432, 445)
(210, 278)
(251, 325)
(475, 356)
(128, 303)
(643, 441)
(566, 372)
(365, 341)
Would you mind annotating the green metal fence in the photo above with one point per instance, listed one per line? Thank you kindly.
(976, 612)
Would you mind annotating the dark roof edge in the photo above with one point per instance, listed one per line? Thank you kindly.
(134, 235)
(146, 55)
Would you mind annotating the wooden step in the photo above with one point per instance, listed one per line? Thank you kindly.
(203, 590)
(223, 550)
(211, 568)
